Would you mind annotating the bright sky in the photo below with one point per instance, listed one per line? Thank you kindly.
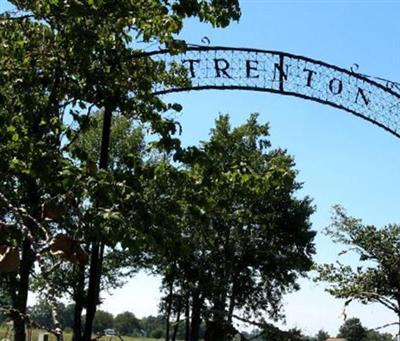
(341, 159)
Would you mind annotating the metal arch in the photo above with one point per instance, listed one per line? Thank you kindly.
(227, 68)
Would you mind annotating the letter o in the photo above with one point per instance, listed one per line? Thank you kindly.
(336, 86)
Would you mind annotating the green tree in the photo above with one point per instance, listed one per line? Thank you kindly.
(126, 323)
(157, 333)
(127, 160)
(322, 335)
(48, 80)
(152, 325)
(273, 333)
(376, 279)
(67, 316)
(30, 146)
(41, 314)
(103, 320)
(373, 335)
(352, 330)
(244, 236)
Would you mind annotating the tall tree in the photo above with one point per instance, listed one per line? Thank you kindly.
(376, 279)
(48, 79)
(32, 160)
(243, 236)
(122, 225)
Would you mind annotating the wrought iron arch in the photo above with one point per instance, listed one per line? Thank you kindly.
(373, 99)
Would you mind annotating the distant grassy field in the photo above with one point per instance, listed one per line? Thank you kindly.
(68, 337)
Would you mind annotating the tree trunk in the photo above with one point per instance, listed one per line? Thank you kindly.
(97, 248)
(79, 297)
(77, 327)
(176, 326)
(56, 319)
(21, 298)
(398, 335)
(187, 319)
(197, 304)
(231, 306)
(169, 308)
(32, 200)
(217, 328)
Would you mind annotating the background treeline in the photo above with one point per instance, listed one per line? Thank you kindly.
(351, 330)
(127, 324)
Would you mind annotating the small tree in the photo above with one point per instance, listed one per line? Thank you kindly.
(377, 279)
(41, 313)
(352, 330)
(152, 325)
(126, 323)
(373, 335)
(322, 335)
(103, 320)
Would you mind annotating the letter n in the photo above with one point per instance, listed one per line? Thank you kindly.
(361, 93)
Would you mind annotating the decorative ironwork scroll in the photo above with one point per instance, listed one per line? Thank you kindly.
(287, 74)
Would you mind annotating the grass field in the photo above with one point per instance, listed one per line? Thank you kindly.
(68, 337)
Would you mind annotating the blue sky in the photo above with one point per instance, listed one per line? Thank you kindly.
(340, 158)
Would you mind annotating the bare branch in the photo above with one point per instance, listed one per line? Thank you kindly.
(21, 17)
(386, 325)
(9, 310)
(21, 214)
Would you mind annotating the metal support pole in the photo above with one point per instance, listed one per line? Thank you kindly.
(97, 247)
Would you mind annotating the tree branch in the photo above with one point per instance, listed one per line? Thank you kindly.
(21, 214)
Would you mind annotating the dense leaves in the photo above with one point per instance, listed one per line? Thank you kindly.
(103, 320)
(353, 330)
(244, 238)
(59, 62)
(126, 323)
